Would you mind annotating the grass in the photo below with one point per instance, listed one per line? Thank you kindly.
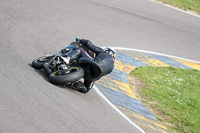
(187, 5)
(176, 93)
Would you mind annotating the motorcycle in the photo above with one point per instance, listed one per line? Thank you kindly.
(67, 74)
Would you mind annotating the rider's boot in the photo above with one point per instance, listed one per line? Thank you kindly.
(80, 86)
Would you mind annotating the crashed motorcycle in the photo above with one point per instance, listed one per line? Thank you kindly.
(66, 74)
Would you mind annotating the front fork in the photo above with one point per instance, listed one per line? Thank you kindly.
(46, 66)
(49, 69)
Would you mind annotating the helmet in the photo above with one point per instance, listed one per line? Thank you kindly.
(111, 51)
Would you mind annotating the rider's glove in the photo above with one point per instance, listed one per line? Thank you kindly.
(66, 59)
(78, 40)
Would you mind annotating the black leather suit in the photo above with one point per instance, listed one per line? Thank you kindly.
(96, 54)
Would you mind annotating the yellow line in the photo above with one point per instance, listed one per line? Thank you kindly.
(125, 87)
(151, 61)
(143, 58)
(159, 125)
(117, 86)
(156, 123)
(106, 82)
(188, 63)
(135, 116)
(123, 67)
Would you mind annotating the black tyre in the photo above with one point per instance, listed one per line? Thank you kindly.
(72, 74)
(39, 62)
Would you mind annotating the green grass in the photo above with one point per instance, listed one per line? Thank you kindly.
(193, 5)
(176, 93)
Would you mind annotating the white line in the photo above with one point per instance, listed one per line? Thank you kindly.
(112, 105)
(175, 8)
(143, 51)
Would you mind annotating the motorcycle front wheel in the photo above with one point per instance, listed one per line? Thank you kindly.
(39, 62)
(69, 75)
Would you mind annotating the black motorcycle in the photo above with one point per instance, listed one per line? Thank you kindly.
(66, 74)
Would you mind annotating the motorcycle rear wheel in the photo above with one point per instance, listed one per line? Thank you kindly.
(69, 75)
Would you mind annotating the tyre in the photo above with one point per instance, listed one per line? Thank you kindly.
(72, 74)
(39, 62)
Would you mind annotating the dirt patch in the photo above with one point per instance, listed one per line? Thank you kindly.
(136, 86)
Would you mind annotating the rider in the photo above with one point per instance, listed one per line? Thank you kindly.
(104, 58)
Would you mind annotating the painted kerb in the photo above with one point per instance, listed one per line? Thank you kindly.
(114, 88)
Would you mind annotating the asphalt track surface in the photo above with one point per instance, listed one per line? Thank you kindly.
(29, 29)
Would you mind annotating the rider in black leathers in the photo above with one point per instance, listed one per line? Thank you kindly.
(103, 58)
